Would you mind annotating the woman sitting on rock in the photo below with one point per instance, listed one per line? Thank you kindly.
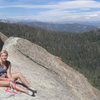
(7, 78)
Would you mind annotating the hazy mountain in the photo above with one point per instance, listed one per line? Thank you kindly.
(64, 27)
(93, 23)
(90, 23)
(61, 27)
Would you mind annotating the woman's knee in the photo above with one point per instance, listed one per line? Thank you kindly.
(16, 75)
(19, 74)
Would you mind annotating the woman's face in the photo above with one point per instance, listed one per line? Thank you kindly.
(4, 56)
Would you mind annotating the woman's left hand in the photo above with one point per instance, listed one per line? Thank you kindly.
(11, 79)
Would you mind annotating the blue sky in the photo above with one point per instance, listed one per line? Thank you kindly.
(50, 10)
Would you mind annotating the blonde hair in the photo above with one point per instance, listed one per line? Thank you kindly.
(3, 51)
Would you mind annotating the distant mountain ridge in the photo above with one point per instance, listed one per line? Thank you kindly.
(66, 27)
(61, 27)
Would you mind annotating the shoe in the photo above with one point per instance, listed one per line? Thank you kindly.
(31, 93)
(32, 89)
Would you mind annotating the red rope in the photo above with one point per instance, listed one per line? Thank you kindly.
(9, 87)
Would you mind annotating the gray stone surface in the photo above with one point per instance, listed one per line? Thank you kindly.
(3, 37)
(53, 79)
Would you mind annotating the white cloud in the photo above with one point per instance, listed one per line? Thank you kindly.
(63, 16)
(63, 11)
(76, 4)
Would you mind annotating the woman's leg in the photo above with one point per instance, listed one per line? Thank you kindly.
(6, 83)
(21, 77)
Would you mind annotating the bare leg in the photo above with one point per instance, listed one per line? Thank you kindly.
(6, 83)
(21, 77)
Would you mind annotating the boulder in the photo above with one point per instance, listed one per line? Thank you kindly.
(52, 78)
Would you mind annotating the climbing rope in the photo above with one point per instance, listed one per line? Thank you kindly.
(12, 86)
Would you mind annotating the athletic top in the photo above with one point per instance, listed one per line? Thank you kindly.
(4, 70)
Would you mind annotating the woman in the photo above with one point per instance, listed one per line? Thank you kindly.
(7, 77)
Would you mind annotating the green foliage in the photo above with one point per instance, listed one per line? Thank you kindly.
(81, 51)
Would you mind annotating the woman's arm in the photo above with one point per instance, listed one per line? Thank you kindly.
(3, 79)
(9, 71)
